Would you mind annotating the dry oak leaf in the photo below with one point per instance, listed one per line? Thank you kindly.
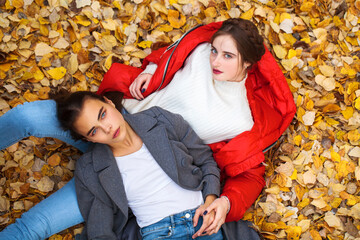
(176, 19)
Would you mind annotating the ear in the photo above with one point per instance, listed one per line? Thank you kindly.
(109, 101)
(247, 64)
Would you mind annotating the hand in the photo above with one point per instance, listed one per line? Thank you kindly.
(220, 206)
(208, 218)
(139, 85)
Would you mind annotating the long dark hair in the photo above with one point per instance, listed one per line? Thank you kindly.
(249, 42)
(69, 106)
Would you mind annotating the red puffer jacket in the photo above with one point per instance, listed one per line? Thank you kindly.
(271, 104)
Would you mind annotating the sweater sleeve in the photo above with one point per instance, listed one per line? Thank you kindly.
(150, 68)
(243, 190)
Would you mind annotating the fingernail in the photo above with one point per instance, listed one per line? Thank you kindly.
(143, 90)
(205, 212)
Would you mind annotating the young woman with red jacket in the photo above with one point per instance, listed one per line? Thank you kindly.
(238, 61)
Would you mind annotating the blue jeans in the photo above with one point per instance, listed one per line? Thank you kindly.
(177, 226)
(60, 210)
(34, 119)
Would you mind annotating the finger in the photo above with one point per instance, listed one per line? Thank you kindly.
(137, 90)
(196, 217)
(147, 82)
(206, 221)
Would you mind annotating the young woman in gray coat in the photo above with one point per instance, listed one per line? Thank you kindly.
(151, 162)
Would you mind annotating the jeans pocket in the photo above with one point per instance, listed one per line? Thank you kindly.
(162, 232)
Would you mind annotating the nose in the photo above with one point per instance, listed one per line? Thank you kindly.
(107, 128)
(215, 61)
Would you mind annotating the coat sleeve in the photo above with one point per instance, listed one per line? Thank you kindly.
(243, 190)
(200, 152)
(98, 216)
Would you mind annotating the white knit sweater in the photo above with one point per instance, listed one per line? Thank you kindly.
(216, 110)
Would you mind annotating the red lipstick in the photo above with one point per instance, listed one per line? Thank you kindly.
(116, 133)
(215, 71)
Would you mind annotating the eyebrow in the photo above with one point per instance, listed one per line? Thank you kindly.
(230, 53)
(99, 115)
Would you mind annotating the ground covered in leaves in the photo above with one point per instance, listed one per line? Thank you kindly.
(312, 188)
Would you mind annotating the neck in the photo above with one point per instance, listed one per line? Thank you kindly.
(131, 143)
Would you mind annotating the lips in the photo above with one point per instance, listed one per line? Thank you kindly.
(116, 133)
(215, 71)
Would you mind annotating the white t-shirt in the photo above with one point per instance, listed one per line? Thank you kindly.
(216, 110)
(152, 195)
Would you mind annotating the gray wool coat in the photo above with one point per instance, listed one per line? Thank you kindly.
(173, 144)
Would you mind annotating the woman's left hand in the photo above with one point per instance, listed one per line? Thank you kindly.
(219, 208)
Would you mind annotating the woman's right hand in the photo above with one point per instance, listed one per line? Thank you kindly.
(139, 85)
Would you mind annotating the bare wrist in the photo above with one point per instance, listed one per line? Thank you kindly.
(228, 203)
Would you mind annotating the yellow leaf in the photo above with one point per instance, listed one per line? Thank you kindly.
(335, 156)
(210, 12)
(357, 103)
(310, 105)
(145, 44)
(292, 53)
(117, 4)
(297, 140)
(38, 75)
(335, 203)
(268, 227)
(248, 14)
(293, 232)
(76, 46)
(44, 30)
(326, 70)
(294, 175)
(289, 38)
(165, 28)
(108, 62)
(352, 87)
(315, 235)
(280, 51)
(57, 73)
(43, 21)
(348, 113)
(176, 19)
(303, 203)
(45, 61)
(332, 108)
(331, 121)
(341, 169)
(351, 201)
(44, 93)
(82, 20)
(18, 3)
(306, 6)
(354, 135)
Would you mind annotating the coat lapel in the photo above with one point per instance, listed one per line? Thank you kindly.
(156, 140)
(109, 176)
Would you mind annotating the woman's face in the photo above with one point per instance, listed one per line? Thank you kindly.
(101, 122)
(225, 60)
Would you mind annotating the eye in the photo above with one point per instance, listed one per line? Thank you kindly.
(93, 132)
(103, 115)
(213, 51)
(228, 56)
